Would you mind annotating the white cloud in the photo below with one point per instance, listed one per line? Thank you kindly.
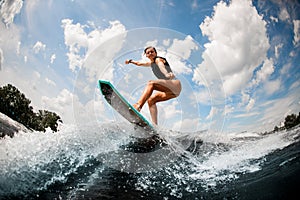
(213, 111)
(284, 14)
(183, 48)
(53, 57)
(245, 98)
(228, 109)
(62, 104)
(296, 32)
(50, 82)
(266, 70)
(75, 36)
(170, 110)
(29, 82)
(152, 43)
(203, 97)
(189, 125)
(18, 48)
(166, 42)
(10, 39)
(246, 115)
(277, 109)
(195, 5)
(285, 69)
(277, 49)
(250, 105)
(179, 52)
(39, 46)
(9, 9)
(238, 44)
(274, 19)
(37, 74)
(272, 86)
(76, 39)
(295, 85)
(71, 110)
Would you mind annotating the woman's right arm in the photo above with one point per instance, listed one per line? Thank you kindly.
(144, 64)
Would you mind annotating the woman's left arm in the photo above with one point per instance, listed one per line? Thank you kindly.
(144, 64)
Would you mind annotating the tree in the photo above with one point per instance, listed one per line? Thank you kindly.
(276, 129)
(14, 104)
(290, 121)
(48, 119)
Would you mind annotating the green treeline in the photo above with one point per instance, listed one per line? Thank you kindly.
(289, 122)
(14, 104)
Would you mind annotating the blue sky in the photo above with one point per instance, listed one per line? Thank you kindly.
(238, 60)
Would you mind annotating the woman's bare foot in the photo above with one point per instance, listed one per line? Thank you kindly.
(137, 107)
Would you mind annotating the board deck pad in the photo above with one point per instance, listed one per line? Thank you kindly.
(122, 106)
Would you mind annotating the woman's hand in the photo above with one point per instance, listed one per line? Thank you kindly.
(170, 76)
(127, 61)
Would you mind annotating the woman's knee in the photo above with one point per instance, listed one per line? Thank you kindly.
(150, 84)
(151, 101)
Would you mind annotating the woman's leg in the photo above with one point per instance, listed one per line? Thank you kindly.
(145, 96)
(157, 97)
(159, 85)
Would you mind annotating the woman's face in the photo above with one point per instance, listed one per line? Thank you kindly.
(150, 53)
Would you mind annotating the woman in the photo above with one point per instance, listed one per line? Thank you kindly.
(167, 86)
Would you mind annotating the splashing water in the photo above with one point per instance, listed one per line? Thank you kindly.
(34, 162)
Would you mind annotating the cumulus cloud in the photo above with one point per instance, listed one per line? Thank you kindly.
(62, 104)
(50, 82)
(18, 48)
(203, 97)
(250, 104)
(275, 109)
(39, 46)
(238, 45)
(213, 111)
(296, 32)
(9, 8)
(170, 110)
(77, 39)
(277, 49)
(189, 125)
(179, 52)
(67, 105)
(228, 109)
(285, 69)
(284, 14)
(244, 99)
(52, 58)
(10, 39)
(37, 74)
(274, 19)
(272, 86)
(266, 70)
(183, 47)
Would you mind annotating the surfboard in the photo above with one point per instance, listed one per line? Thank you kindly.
(122, 106)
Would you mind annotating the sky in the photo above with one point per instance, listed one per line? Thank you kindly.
(238, 61)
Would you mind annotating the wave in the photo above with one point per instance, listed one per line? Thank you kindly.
(76, 159)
